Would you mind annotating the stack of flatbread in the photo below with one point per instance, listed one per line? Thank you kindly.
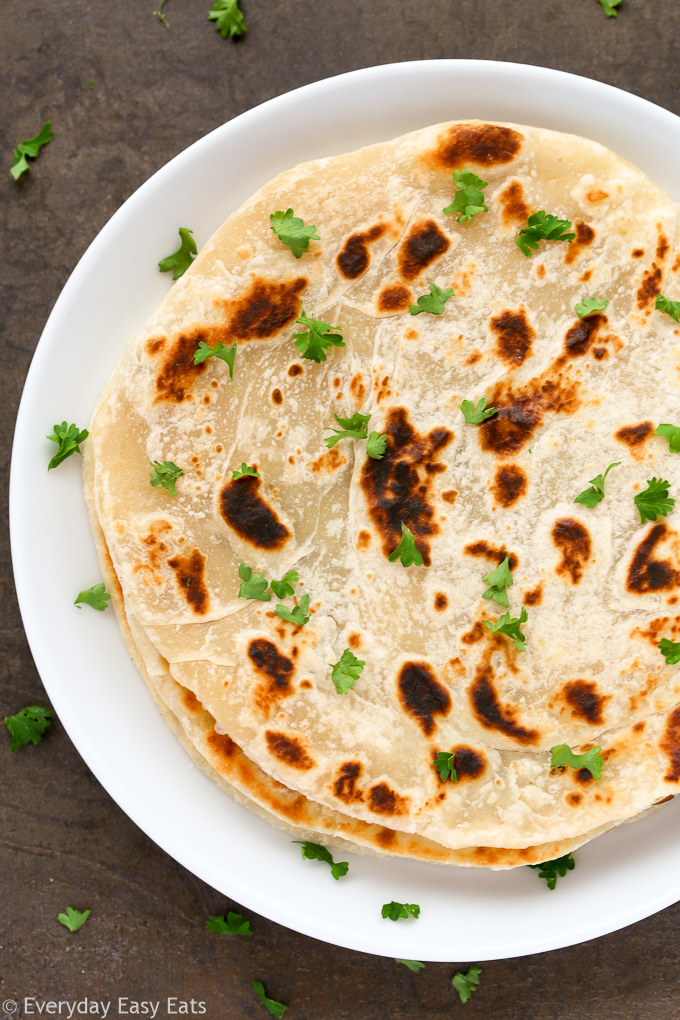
(252, 695)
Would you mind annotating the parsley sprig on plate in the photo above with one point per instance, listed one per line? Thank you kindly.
(356, 427)
(284, 587)
(468, 199)
(73, 919)
(68, 438)
(229, 924)
(654, 501)
(542, 226)
(291, 231)
(226, 354)
(595, 494)
(562, 754)
(444, 762)
(180, 260)
(475, 414)
(407, 551)
(510, 626)
(664, 304)
(245, 472)
(298, 615)
(346, 671)
(28, 725)
(164, 474)
(317, 338)
(271, 1005)
(609, 7)
(551, 870)
(396, 911)
(498, 580)
(672, 434)
(590, 306)
(316, 852)
(253, 584)
(670, 650)
(229, 20)
(433, 302)
(96, 596)
(29, 150)
(466, 984)
(414, 965)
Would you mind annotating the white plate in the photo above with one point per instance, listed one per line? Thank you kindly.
(95, 689)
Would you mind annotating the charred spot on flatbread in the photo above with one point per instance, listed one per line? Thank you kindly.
(468, 762)
(424, 243)
(354, 258)
(585, 235)
(189, 572)
(573, 541)
(510, 484)
(487, 551)
(671, 745)
(520, 411)
(222, 745)
(243, 509)
(535, 596)
(513, 207)
(514, 335)
(441, 602)
(345, 785)
(582, 335)
(275, 667)
(264, 309)
(398, 487)
(289, 750)
(484, 145)
(422, 695)
(646, 573)
(395, 297)
(385, 801)
(650, 287)
(585, 701)
(178, 372)
(489, 711)
(634, 435)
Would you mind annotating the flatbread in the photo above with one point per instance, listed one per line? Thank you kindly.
(573, 395)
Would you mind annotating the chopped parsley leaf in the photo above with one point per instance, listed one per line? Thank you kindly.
(314, 343)
(377, 443)
(164, 475)
(394, 911)
(498, 580)
(591, 760)
(671, 308)
(350, 428)
(68, 438)
(551, 870)
(228, 19)
(346, 671)
(73, 919)
(444, 763)
(414, 965)
(159, 14)
(316, 852)
(609, 7)
(595, 494)
(232, 924)
(654, 500)
(590, 306)
(180, 260)
(29, 150)
(672, 434)
(271, 1005)
(466, 984)
(433, 302)
(406, 551)
(253, 584)
(670, 649)
(96, 596)
(226, 354)
(296, 615)
(285, 585)
(542, 226)
(245, 470)
(292, 232)
(475, 414)
(510, 626)
(28, 725)
(468, 200)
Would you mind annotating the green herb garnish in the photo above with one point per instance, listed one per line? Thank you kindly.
(466, 984)
(232, 924)
(245, 471)
(73, 919)
(271, 1005)
(542, 226)
(164, 475)
(314, 343)
(377, 443)
(394, 911)
(159, 14)
(591, 760)
(551, 870)
(180, 260)
(444, 763)
(595, 494)
(406, 551)
(498, 580)
(96, 596)
(468, 200)
(253, 584)
(590, 306)
(297, 614)
(226, 354)
(68, 438)
(284, 587)
(346, 672)
(350, 428)
(292, 231)
(414, 965)
(510, 626)
(475, 414)
(228, 18)
(671, 650)
(654, 500)
(671, 308)
(28, 725)
(672, 434)
(433, 302)
(609, 7)
(316, 852)
(29, 150)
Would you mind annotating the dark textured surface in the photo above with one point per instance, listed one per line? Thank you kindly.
(63, 841)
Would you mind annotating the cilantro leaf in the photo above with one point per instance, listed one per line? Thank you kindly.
(433, 302)
(285, 585)
(414, 965)
(654, 500)
(73, 919)
(228, 19)
(96, 596)
(671, 650)
(292, 231)
(550, 870)
(394, 911)
(29, 150)
(271, 1005)
(68, 438)
(475, 414)
(671, 308)
(498, 580)
(346, 671)
(296, 615)
(377, 443)
(226, 354)
(28, 725)
(542, 226)
(232, 924)
(350, 428)
(466, 984)
(591, 497)
(591, 760)
(181, 259)
(672, 434)
(444, 763)
(468, 200)
(245, 471)
(253, 584)
(510, 626)
(609, 7)
(164, 475)
(316, 341)
(316, 852)
(590, 306)
(159, 14)
(406, 551)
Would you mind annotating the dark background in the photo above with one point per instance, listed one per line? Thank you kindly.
(63, 841)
